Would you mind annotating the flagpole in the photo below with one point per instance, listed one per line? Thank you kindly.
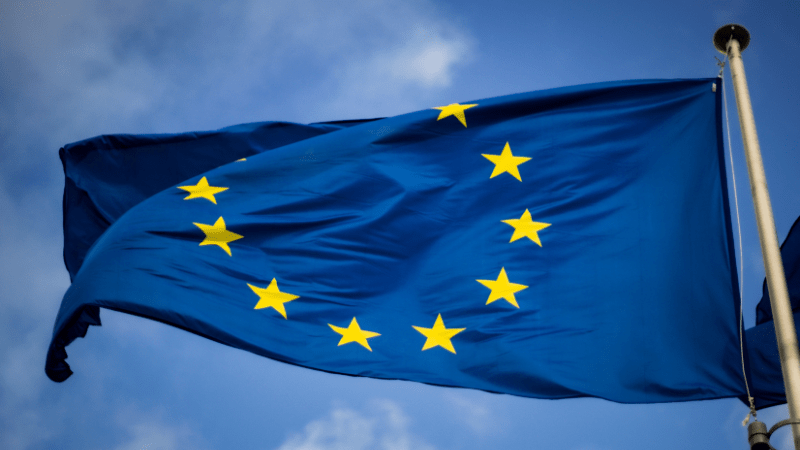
(732, 39)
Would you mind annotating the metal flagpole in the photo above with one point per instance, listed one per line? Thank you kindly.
(732, 39)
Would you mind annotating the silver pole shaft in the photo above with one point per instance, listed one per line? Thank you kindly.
(776, 280)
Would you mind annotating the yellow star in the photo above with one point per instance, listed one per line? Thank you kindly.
(272, 297)
(506, 162)
(217, 235)
(454, 109)
(202, 190)
(439, 336)
(354, 333)
(525, 227)
(501, 288)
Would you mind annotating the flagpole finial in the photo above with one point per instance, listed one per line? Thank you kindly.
(731, 30)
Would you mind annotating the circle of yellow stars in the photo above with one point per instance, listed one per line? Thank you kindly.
(438, 335)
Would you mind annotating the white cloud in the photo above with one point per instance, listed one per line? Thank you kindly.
(384, 426)
(142, 66)
(150, 434)
(476, 414)
(25, 427)
(417, 58)
(33, 281)
(20, 363)
(429, 58)
(32, 287)
(400, 78)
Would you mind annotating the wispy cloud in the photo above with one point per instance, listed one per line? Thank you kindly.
(478, 416)
(374, 58)
(150, 431)
(400, 78)
(383, 426)
(33, 280)
(143, 65)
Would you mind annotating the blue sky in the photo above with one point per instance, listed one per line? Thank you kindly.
(75, 69)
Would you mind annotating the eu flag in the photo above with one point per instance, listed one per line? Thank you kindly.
(563, 243)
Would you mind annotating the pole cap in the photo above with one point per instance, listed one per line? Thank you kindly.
(725, 32)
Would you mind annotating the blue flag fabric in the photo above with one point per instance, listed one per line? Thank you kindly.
(765, 376)
(762, 347)
(790, 255)
(564, 243)
(107, 175)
